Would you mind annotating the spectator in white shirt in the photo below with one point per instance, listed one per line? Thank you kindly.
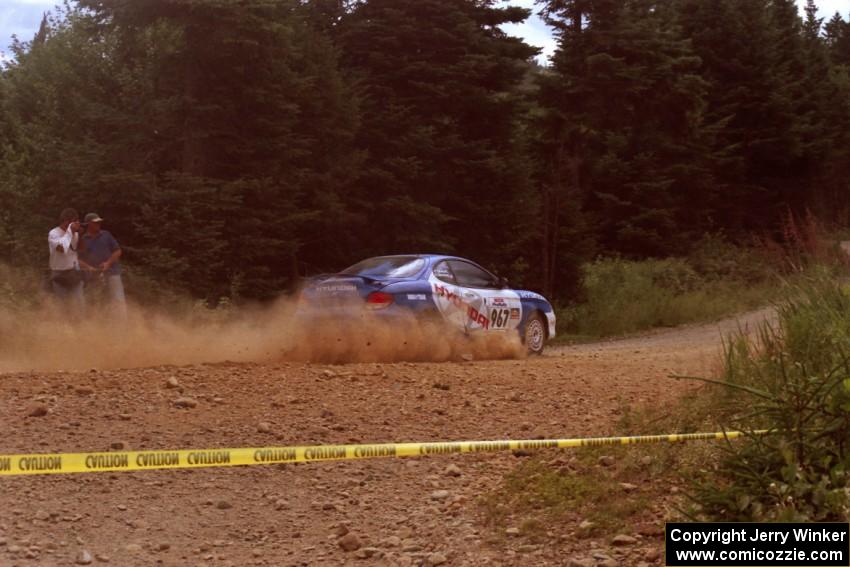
(66, 278)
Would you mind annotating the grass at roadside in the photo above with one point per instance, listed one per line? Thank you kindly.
(543, 492)
(622, 296)
(596, 493)
(631, 310)
(791, 377)
(716, 280)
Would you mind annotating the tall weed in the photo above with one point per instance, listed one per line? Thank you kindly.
(802, 242)
(792, 378)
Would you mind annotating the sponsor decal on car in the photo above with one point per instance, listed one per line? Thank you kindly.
(530, 295)
(514, 313)
(477, 317)
(416, 296)
(498, 302)
(453, 298)
(474, 315)
(335, 288)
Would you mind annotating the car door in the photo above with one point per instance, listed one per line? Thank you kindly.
(488, 306)
(447, 295)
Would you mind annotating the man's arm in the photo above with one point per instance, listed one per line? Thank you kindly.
(62, 243)
(112, 259)
(116, 253)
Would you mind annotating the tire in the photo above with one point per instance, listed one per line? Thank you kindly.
(534, 335)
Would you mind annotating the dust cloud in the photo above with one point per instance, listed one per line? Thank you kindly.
(45, 339)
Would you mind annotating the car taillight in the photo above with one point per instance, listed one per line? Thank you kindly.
(379, 300)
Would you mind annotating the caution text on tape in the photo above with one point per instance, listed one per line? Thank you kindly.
(36, 464)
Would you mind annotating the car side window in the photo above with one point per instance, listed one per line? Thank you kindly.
(470, 275)
(444, 273)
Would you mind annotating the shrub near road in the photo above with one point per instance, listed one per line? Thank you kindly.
(793, 378)
(624, 296)
(717, 279)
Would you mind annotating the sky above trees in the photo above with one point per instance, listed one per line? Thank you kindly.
(22, 17)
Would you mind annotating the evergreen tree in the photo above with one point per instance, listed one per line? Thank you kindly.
(445, 169)
(235, 146)
(624, 131)
(830, 65)
(813, 24)
(57, 125)
(838, 39)
(41, 35)
(752, 59)
(219, 133)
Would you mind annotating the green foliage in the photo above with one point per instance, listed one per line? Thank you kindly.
(624, 123)
(440, 118)
(837, 36)
(261, 142)
(572, 486)
(791, 378)
(214, 146)
(55, 132)
(256, 143)
(623, 296)
(714, 258)
(769, 107)
(536, 492)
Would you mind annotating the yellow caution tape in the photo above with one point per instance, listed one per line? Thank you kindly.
(199, 458)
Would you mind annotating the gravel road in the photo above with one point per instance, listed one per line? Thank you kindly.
(420, 511)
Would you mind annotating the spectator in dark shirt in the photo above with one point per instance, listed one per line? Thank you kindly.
(99, 254)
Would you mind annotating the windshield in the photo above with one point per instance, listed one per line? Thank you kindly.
(387, 267)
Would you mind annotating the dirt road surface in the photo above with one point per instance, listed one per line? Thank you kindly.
(421, 511)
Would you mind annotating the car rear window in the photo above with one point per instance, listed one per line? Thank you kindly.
(387, 267)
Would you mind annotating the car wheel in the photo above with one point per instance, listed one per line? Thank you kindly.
(535, 334)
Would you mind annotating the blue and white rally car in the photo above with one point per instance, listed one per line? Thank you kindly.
(463, 294)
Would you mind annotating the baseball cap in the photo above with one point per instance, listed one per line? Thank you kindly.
(93, 217)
